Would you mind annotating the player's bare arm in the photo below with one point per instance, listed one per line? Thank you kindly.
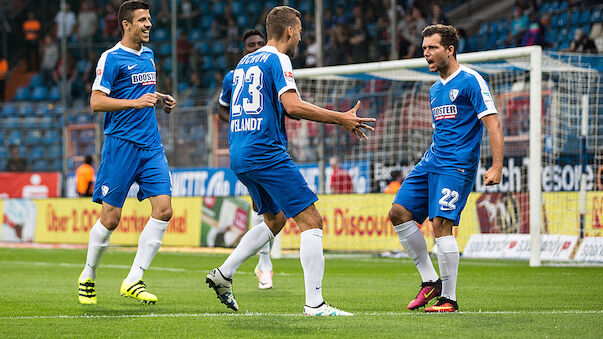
(305, 110)
(223, 113)
(493, 174)
(167, 101)
(101, 102)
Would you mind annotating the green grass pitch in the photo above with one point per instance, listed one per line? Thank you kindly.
(38, 298)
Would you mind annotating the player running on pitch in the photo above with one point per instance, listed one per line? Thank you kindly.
(252, 41)
(124, 88)
(438, 186)
(264, 89)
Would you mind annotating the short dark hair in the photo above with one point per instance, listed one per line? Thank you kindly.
(279, 18)
(449, 35)
(88, 159)
(126, 11)
(252, 32)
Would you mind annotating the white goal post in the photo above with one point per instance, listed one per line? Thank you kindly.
(567, 77)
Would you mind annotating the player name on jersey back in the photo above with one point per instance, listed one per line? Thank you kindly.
(246, 124)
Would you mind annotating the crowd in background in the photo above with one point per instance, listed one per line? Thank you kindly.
(354, 32)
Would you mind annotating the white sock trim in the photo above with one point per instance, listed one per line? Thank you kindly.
(447, 244)
(406, 229)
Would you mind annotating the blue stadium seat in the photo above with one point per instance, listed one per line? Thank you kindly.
(483, 29)
(37, 152)
(15, 137)
(207, 62)
(36, 81)
(586, 28)
(254, 8)
(585, 16)
(26, 108)
(218, 8)
(54, 94)
(562, 20)
(29, 122)
(22, 93)
(164, 49)
(8, 109)
(182, 86)
(551, 35)
(11, 123)
(39, 93)
(306, 6)
(56, 165)
(166, 65)
(217, 47)
(546, 7)
(242, 21)
(195, 34)
(54, 151)
(39, 165)
(161, 34)
(236, 8)
(202, 47)
(595, 16)
(221, 62)
(206, 21)
(563, 34)
(45, 122)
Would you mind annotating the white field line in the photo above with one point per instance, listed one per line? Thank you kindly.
(258, 314)
(125, 267)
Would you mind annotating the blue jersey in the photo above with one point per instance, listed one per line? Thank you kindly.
(457, 105)
(226, 92)
(256, 134)
(124, 73)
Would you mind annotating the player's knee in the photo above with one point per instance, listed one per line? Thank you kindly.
(163, 213)
(398, 215)
(110, 221)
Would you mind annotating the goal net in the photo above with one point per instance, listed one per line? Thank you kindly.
(549, 205)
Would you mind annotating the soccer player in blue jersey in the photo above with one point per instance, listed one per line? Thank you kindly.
(264, 91)
(252, 41)
(124, 88)
(438, 186)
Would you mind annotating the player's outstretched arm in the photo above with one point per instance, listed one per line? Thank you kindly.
(305, 110)
(100, 102)
(494, 173)
(167, 101)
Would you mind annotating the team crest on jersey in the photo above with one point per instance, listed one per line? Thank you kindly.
(453, 94)
(105, 190)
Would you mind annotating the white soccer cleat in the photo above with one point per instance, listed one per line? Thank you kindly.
(325, 310)
(264, 278)
(223, 288)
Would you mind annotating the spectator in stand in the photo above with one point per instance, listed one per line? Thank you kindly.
(462, 40)
(89, 73)
(184, 51)
(50, 58)
(84, 178)
(164, 16)
(261, 23)
(341, 182)
(395, 182)
(341, 17)
(358, 39)
(536, 31)
(188, 14)
(15, 163)
(308, 21)
(195, 86)
(339, 50)
(71, 75)
(581, 43)
(419, 24)
(437, 15)
(31, 30)
(3, 76)
(232, 48)
(87, 23)
(311, 51)
(519, 25)
(111, 26)
(65, 21)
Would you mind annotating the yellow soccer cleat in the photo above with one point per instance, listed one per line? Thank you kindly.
(87, 292)
(137, 290)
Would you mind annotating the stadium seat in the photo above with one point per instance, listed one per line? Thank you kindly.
(54, 94)
(218, 8)
(562, 20)
(39, 165)
(236, 8)
(202, 47)
(45, 122)
(36, 81)
(26, 108)
(585, 16)
(182, 86)
(166, 65)
(37, 152)
(562, 4)
(56, 165)
(551, 35)
(575, 16)
(22, 93)
(11, 123)
(161, 34)
(221, 62)
(217, 47)
(206, 21)
(195, 34)
(306, 6)
(242, 20)
(254, 7)
(39, 93)
(15, 137)
(595, 17)
(207, 62)
(164, 49)
(8, 109)
(29, 122)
